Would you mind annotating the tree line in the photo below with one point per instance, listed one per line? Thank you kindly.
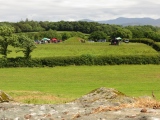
(111, 30)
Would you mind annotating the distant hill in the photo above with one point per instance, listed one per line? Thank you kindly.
(129, 21)
(87, 20)
(133, 21)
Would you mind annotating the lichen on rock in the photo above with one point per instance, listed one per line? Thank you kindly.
(108, 95)
(4, 97)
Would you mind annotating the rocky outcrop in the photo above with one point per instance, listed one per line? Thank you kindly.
(100, 104)
(104, 95)
(4, 97)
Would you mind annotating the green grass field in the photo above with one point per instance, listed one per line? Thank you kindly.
(62, 84)
(72, 48)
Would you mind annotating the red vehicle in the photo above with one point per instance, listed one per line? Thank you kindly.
(54, 40)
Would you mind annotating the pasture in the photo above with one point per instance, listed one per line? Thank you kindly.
(76, 49)
(63, 84)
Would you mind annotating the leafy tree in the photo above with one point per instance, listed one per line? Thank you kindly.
(27, 45)
(97, 35)
(65, 36)
(6, 38)
(45, 25)
(25, 27)
(35, 26)
(51, 34)
(152, 35)
(137, 31)
(123, 33)
(36, 36)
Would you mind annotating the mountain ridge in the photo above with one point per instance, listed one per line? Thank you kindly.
(129, 21)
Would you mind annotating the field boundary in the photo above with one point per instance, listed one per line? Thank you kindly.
(79, 60)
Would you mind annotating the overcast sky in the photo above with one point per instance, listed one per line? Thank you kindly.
(73, 10)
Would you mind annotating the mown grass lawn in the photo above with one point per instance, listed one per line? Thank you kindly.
(62, 84)
(77, 49)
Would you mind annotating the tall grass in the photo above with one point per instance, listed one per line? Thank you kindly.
(62, 84)
(73, 48)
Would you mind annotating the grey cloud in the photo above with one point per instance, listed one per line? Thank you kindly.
(55, 10)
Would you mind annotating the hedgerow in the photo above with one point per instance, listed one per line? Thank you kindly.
(147, 41)
(86, 59)
(79, 60)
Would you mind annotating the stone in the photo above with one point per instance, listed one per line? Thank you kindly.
(4, 97)
(103, 94)
(144, 110)
(100, 99)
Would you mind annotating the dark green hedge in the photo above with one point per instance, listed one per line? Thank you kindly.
(79, 60)
(149, 42)
(85, 59)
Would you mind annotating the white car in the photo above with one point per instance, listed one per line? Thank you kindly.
(126, 41)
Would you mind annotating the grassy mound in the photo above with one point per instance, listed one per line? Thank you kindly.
(73, 40)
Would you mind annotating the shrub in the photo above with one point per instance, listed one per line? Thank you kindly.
(78, 60)
(147, 41)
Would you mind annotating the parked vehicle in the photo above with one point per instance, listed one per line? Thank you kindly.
(116, 41)
(126, 41)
